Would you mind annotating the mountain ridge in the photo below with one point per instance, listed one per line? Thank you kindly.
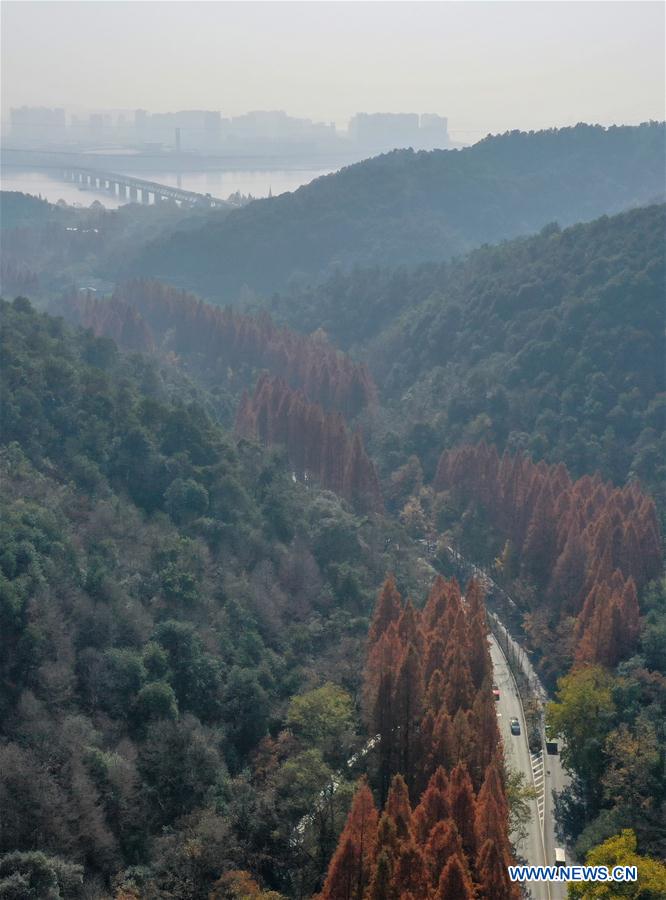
(412, 207)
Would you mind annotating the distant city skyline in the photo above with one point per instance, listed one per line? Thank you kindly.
(258, 133)
(488, 66)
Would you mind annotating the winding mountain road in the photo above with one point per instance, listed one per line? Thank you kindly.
(546, 774)
(544, 771)
(538, 847)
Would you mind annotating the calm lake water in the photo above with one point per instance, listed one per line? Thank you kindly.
(217, 184)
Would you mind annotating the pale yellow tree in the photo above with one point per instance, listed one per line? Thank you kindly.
(620, 850)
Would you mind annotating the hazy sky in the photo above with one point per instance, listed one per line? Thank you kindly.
(489, 66)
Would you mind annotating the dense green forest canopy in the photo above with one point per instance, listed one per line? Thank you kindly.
(165, 594)
(407, 207)
(553, 344)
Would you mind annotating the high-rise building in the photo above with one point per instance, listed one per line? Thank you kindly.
(37, 124)
(197, 129)
(377, 132)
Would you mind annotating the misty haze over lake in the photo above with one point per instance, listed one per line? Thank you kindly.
(257, 183)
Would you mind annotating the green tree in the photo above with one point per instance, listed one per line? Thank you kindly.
(583, 714)
(35, 875)
(317, 801)
(185, 499)
(156, 700)
(196, 676)
(324, 718)
(179, 763)
(519, 794)
(300, 782)
(632, 777)
(124, 675)
(245, 710)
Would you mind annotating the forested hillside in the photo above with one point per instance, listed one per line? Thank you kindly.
(582, 562)
(181, 628)
(586, 549)
(406, 207)
(46, 247)
(553, 344)
(333, 523)
(223, 348)
(552, 349)
(196, 700)
(439, 770)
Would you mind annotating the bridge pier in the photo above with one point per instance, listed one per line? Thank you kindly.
(145, 195)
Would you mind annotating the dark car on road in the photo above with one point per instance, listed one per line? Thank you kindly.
(515, 726)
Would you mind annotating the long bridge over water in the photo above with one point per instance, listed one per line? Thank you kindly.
(127, 187)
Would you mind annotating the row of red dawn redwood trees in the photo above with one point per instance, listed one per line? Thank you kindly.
(441, 827)
(318, 443)
(587, 546)
(144, 314)
(301, 402)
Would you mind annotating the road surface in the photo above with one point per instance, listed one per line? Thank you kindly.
(517, 755)
(556, 779)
